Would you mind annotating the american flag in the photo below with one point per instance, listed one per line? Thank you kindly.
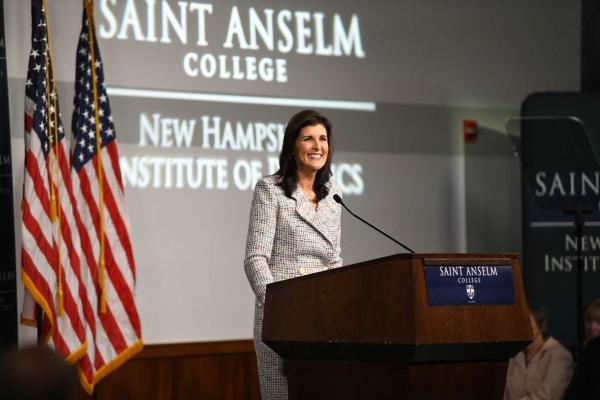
(107, 264)
(50, 239)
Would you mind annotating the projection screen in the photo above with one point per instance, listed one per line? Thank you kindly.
(201, 93)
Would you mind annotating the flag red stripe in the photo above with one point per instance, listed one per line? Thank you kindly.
(113, 153)
(66, 174)
(99, 361)
(33, 171)
(86, 367)
(49, 251)
(45, 326)
(28, 123)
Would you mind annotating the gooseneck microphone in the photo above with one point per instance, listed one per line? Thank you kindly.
(338, 199)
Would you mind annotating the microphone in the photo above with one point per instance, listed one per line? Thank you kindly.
(338, 200)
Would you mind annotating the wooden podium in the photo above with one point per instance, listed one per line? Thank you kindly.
(367, 331)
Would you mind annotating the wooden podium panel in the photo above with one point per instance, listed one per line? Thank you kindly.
(367, 331)
(394, 380)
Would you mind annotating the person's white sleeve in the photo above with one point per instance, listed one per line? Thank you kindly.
(259, 243)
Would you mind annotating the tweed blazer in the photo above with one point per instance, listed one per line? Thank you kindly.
(287, 237)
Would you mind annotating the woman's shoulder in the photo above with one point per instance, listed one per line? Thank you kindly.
(268, 180)
(269, 183)
(557, 347)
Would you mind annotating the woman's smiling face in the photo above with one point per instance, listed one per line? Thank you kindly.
(311, 149)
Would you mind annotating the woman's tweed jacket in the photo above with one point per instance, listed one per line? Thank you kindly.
(287, 238)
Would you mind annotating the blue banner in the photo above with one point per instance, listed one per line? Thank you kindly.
(560, 171)
(460, 285)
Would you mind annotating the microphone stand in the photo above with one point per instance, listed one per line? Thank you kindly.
(338, 199)
(578, 210)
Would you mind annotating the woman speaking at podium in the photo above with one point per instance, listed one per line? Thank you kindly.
(294, 227)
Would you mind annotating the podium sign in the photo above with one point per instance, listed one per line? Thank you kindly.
(466, 284)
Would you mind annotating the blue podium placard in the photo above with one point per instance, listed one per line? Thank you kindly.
(461, 285)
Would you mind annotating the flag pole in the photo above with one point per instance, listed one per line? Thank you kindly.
(55, 208)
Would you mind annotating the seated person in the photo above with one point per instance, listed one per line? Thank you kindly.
(543, 369)
(586, 378)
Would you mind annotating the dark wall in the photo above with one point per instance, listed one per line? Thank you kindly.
(8, 294)
(590, 45)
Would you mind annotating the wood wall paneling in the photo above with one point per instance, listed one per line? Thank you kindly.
(211, 370)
